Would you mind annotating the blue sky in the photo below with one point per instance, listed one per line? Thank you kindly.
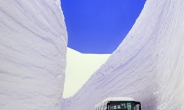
(99, 26)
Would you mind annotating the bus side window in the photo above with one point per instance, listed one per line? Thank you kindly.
(138, 105)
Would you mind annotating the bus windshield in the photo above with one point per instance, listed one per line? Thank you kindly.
(123, 106)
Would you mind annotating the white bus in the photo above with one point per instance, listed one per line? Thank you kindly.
(118, 103)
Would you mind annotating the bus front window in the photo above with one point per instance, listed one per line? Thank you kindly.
(120, 106)
(114, 107)
(129, 106)
(125, 106)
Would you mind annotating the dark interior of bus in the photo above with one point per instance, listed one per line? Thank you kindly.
(123, 105)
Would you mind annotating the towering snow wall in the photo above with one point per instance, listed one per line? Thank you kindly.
(33, 42)
(148, 64)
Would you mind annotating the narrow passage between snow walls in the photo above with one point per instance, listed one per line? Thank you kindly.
(147, 66)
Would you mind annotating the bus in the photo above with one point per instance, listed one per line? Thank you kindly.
(118, 103)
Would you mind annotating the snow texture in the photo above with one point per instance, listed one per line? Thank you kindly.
(33, 41)
(79, 69)
(147, 66)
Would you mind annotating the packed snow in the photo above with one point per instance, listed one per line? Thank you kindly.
(79, 68)
(147, 66)
(33, 42)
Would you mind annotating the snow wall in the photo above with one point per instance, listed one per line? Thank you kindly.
(33, 41)
(147, 65)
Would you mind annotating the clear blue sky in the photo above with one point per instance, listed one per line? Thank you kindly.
(99, 26)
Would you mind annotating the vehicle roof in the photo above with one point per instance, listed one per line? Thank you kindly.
(118, 99)
(115, 99)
